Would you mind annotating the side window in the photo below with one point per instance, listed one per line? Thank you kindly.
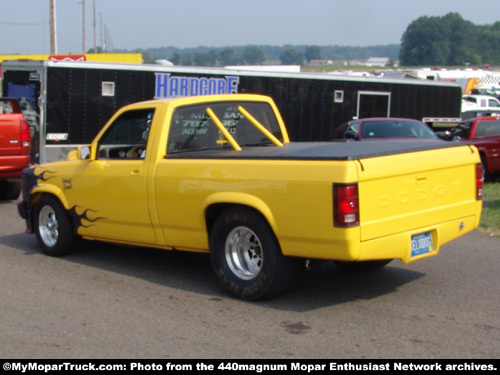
(493, 103)
(127, 137)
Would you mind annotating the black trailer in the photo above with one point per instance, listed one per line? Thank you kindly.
(68, 102)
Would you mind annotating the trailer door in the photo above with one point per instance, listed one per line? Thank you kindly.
(374, 104)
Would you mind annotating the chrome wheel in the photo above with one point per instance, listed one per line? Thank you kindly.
(244, 253)
(48, 226)
(246, 256)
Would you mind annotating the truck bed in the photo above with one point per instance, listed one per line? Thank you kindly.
(354, 150)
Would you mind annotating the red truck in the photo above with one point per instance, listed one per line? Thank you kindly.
(484, 133)
(15, 142)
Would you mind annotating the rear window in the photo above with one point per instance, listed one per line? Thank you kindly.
(486, 128)
(193, 129)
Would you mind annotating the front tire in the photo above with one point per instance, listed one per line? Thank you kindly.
(53, 227)
(247, 258)
(484, 165)
(9, 190)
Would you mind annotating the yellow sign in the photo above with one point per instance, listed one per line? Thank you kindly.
(134, 58)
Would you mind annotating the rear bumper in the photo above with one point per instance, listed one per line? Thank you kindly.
(13, 166)
(399, 246)
(394, 246)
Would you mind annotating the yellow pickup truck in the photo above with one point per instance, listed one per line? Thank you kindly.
(218, 174)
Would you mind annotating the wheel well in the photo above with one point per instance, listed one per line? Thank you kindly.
(215, 210)
(484, 159)
(34, 198)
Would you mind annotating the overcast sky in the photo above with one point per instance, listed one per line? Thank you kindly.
(25, 26)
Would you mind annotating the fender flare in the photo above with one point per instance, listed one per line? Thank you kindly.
(242, 199)
(38, 190)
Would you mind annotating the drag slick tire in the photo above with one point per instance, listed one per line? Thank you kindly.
(53, 227)
(247, 258)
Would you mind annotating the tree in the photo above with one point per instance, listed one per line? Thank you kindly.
(176, 58)
(148, 58)
(204, 59)
(226, 56)
(312, 53)
(186, 59)
(449, 40)
(290, 57)
(253, 56)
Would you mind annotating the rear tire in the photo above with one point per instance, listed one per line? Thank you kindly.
(53, 227)
(247, 258)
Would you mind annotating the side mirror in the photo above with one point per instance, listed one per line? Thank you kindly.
(83, 152)
(350, 134)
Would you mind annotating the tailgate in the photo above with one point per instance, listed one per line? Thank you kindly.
(10, 135)
(404, 192)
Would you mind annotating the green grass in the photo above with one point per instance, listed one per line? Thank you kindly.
(490, 218)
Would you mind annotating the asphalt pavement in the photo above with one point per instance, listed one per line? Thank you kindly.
(108, 301)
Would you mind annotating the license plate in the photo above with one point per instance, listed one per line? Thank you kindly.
(421, 244)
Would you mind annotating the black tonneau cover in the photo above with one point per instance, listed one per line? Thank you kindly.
(349, 150)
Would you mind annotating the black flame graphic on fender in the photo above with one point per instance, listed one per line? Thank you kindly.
(41, 176)
(78, 219)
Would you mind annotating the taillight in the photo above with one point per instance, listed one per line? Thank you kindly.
(25, 134)
(479, 181)
(345, 205)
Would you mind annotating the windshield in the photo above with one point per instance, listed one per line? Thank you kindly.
(396, 129)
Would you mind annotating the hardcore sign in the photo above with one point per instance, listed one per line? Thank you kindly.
(167, 86)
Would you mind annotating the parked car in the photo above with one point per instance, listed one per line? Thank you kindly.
(384, 127)
(484, 133)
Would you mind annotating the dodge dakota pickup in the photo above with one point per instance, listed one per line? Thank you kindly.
(15, 142)
(219, 175)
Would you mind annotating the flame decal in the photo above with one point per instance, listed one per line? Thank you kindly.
(78, 219)
(42, 177)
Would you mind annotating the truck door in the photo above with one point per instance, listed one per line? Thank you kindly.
(374, 104)
(113, 186)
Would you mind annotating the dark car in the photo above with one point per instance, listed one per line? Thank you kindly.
(484, 133)
(384, 127)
